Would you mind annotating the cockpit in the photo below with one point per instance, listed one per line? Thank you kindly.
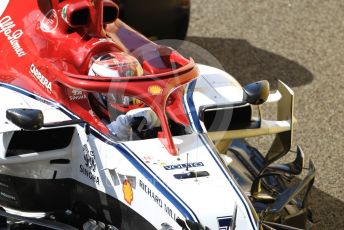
(127, 117)
(130, 116)
(113, 77)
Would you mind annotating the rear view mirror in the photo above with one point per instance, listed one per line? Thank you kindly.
(110, 12)
(256, 93)
(76, 14)
(27, 119)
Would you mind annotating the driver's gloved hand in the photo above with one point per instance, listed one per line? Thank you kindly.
(124, 124)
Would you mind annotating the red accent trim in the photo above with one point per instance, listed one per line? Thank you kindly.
(138, 87)
(175, 108)
(53, 55)
(125, 109)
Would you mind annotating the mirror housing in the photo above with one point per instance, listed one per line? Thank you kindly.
(27, 119)
(256, 93)
(110, 12)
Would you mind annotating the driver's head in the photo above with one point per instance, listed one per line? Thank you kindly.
(115, 64)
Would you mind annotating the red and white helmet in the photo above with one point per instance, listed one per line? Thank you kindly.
(115, 64)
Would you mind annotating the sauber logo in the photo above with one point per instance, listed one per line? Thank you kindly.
(39, 76)
(6, 26)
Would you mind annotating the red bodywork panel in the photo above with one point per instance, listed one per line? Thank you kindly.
(46, 48)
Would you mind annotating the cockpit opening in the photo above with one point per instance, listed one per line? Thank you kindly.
(133, 120)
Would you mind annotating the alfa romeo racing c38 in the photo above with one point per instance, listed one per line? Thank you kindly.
(62, 167)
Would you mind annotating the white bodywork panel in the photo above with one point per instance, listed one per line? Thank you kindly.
(154, 192)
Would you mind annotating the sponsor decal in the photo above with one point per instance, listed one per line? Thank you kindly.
(131, 179)
(40, 77)
(224, 222)
(77, 95)
(89, 174)
(158, 201)
(90, 160)
(90, 166)
(50, 21)
(7, 28)
(154, 90)
(128, 192)
(183, 166)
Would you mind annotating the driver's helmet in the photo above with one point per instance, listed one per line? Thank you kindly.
(116, 64)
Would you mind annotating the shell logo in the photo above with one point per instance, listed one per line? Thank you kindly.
(128, 192)
(154, 89)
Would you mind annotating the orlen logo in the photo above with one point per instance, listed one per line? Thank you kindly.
(39, 76)
(6, 26)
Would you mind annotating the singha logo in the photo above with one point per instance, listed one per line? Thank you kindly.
(76, 92)
(90, 160)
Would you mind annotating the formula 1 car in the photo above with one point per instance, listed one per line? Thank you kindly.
(62, 167)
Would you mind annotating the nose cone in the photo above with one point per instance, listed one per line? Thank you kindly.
(201, 181)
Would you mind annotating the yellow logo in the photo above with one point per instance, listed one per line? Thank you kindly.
(128, 192)
(154, 89)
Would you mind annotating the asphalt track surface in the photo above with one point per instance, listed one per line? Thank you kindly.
(301, 43)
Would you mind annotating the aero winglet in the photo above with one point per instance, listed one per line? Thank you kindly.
(285, 119)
